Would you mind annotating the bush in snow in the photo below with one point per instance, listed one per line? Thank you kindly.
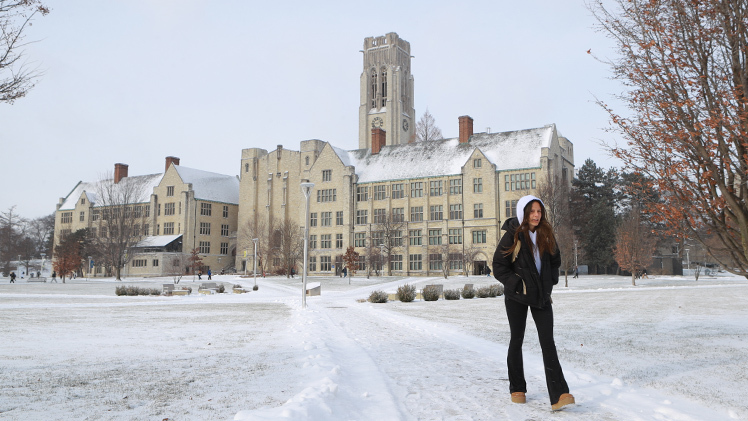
(451, 294)
(254, 288)
(468, 292)
(132, 290)
(406, 293)
(497, 290)
(430, 293)
(483, 292)
(378, 297)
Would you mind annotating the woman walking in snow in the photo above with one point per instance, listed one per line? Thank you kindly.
(526, 261)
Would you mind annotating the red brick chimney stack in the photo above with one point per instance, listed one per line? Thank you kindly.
(378, 139)
(170, 160)
(120, 172)
(466, 128)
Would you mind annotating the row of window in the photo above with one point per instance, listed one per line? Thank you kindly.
(435, 188)
(205, 228)
(139, 211)
(436, 213)
(415, 262)
(141, 263)
(415, 238)
(204, 247)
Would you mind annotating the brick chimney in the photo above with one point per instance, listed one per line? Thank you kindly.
(170, 160)
(466, 128)
(378, 139)
(120, 172)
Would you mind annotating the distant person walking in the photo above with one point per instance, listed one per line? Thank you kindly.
(576, 272)
(210, 275)
(488, 271)
(345, 272)
(12, 277)
(199, 275)
(526, 261)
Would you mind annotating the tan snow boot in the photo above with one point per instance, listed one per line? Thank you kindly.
(519, 397)
(565, 399)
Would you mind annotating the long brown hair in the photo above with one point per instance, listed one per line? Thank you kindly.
(545, 239)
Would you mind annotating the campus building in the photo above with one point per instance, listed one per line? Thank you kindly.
(171, 214)
(408, 208)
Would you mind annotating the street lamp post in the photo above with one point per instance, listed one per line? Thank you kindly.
(44, 255)
(306, 188)
(254, 240)
(381, 257)
(688, 260)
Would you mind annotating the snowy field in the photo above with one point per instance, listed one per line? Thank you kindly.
(670, 348)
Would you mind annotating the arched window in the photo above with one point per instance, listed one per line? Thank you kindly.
(373, 93)
(383, 81)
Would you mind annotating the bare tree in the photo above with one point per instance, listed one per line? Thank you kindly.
(390, 229)
(556, 196)
(39, 230)
(426, 129)
(16, 78)
(122, 212)
(685, 65)
(11, 225)
(256, 229)
(468, 255)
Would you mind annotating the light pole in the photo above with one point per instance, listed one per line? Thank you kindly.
(688, 260)
(306, 188)
(19, 263)
(44, 255)
(381, 257)
(90, 266)
(254, 240)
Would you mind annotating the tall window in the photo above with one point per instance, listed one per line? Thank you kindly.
(416, 213)
(168, 228)
(326, 175)
(339, 218)
(397, 238)
(398, 191)
(477, 185)
(225, 211)
(169, 209)
(205, 209)
(415, 237)
(455, 186)
(326, 219)
(205, 247)
(362, 216)
(436, 212)
(325, 263)
(435, 237)
(510, 208)
(398, 214)
(477, 163)
(479, 237)
(224, 248)
(455, 236)
(313, 219)
(478, 210)
(373, 88)
(380, 216)
(169, 191)
(435, 262)
(224, 230)
(359, 239)
(396, 262)
(205, 228)
(383, 82)
(435, 188)
(416, 189)
(380, 192)
(312, 259)
(362, 194)
(313, 241)
(338, 241)
(82, 217)
(522, 181)
(325, 241)
(66, 218)
(455, 211)
(415, 262)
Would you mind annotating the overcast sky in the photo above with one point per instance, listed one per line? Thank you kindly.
(135, 81)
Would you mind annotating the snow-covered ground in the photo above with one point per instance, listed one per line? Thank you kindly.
(670, 348)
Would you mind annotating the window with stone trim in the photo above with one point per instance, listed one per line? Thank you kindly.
(380, 216)
(326, 175)
(66, 218)
(326, 219)
(416, 189)
(435, 237)
(380, 192)
(325, 241)
(478, 185)
(362, 216)
(396, 262)
(455, 236)
(362, 194)
(479, 237)
(326, 195)
(313, 219)
(478, 210)
(510, 208)
(415, 262)
(204, 247)
(455, 211)
(338, 241)
(313, 241)
(359, 239)
(398, 191)
(435, 261)
(455, 186)
(415, 237)
(325, 263)
(169, 209)
(339, 218)
(205, 228)
(168, 228)
(436, 188)
(224, 248)
(169, 191)
(436, 212)
(224, 230)
(416, 213)
(312, 260)
(398, 214)
(206, 209)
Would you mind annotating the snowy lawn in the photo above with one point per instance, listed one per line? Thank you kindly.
(667, 349)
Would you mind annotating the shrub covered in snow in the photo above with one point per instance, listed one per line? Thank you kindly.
(254, 288)
(468, 292)
(451, 294)
(430, 293)
(133, 290)
(497, 290)
(483, 292)
(378, 297)
(406, 293)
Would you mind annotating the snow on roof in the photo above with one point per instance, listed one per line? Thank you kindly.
(92, 190)
(211, 186)
(157, 240)
(507, 150)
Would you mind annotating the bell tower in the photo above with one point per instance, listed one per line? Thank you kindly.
(386, 91)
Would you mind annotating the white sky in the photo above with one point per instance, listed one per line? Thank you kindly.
(135, 81)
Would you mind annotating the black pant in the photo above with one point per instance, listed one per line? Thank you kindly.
(554, 376)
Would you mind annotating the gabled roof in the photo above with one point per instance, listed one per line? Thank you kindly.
(92, 190)
(211, 186)
(157, 240)
(507, 150)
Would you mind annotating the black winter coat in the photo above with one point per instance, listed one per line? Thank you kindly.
(536, 289)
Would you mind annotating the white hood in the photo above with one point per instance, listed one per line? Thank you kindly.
(522, 202)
